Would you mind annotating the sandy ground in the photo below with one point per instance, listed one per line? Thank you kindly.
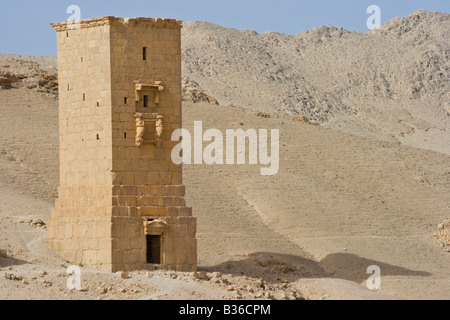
(346, 201)
(339, 204)
(369, 186)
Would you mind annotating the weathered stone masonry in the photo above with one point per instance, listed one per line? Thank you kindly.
(121, 200)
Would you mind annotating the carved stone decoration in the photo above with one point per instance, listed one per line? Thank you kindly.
(156, 87)
(141, 119)
(159, 129)
(155, 227)
(140, 129)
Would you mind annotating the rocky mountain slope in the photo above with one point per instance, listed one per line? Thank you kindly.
(340, 202)
(391, 84)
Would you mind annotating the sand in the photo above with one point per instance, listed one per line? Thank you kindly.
(367, 186)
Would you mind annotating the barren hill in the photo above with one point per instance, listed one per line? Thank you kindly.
(391, 84)
(340, 202)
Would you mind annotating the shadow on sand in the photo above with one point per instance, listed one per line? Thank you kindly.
(6, 261)
(273, 267)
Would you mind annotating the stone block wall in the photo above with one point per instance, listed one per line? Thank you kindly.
(120, 101)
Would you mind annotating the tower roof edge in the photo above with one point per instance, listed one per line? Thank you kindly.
(109, 20)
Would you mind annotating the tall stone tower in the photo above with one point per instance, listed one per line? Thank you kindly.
(121, 201)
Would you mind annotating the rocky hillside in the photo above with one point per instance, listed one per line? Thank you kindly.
(340, 202)
(39, 73)
(319, 73)
(391, 84)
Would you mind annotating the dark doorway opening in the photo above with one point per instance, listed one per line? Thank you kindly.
(154, 249)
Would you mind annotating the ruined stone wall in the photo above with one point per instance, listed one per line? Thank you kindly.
(118, 183)
(80, 226)
(156, 191)
(85, 111)
(162, 41)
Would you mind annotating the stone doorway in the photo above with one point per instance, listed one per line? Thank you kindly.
(154, 249)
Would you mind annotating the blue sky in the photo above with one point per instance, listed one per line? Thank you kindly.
(25, 29)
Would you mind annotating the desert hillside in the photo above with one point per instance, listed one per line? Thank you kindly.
(363, 188)
(391, 84)
(339, 204)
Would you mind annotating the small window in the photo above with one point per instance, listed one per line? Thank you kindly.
(81, 59)
(125, 135)
(68, 87)
(98, 104)
(98, 137)
(144, 53)
(84, 97)
(145, 101)
(125, 100)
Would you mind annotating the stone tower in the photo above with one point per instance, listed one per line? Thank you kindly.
(121, 201)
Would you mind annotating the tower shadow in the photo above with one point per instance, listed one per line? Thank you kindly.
(9, 262)
(274, 267)
(354, 268)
